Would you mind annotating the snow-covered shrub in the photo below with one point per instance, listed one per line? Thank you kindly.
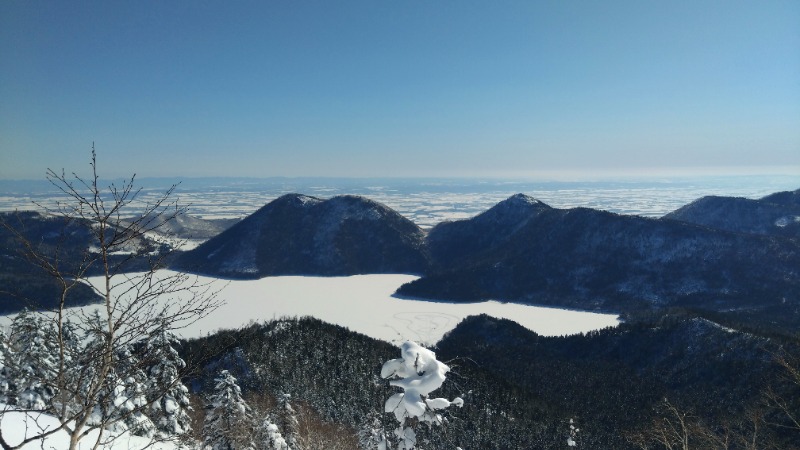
(418, 373)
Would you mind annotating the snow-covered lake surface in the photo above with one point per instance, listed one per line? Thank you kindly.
(364, 303)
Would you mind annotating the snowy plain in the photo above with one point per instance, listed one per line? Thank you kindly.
(428, 201)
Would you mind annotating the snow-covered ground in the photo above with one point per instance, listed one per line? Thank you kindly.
(17, 425)
(364, 303)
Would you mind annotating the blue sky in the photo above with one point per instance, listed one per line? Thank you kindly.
(399, 88)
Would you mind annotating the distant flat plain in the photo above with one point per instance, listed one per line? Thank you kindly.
(428, 201)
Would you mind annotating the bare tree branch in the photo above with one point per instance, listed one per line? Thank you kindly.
(135, 305)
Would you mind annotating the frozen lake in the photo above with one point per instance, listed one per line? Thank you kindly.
(364, 303)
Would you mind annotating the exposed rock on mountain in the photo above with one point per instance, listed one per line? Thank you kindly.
(301, 235)
(593, 259)
(777, 214)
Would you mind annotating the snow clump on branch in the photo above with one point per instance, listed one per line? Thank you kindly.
(418, 373)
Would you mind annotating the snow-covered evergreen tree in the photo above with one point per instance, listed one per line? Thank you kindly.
(30, 362)
(102, 391)
(6, 380)
(168, 396)
(228, 422)
(418, 373)
(572, 440)
(130, 399)
(371, 434)
(269, 437)
(287, 422)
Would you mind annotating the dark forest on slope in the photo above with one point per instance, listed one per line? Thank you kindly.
(520, 389)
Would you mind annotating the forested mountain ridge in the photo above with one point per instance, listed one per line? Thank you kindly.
(30, 239)
(453, 241)
(786, 198)
(336, 372)
(301, 235)
(777, 214)
(618, 378)
(590, 259)
(520, 389)
(186, 226)
(60, 242)
(520, 250)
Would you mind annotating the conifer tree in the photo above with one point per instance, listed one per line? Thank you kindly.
(371, 435)
(30, 367)
(168, 397)
(6, 377)
(287, 422)
(269, 437)
(131, 399)
(89, 388)
(228, 422)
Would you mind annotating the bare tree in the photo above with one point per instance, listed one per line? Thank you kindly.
(134, 304)
(671, 431)
(676, 429)
(789, 407)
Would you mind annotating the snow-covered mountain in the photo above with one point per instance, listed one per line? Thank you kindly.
(185, 226)
(777, 214)
(452, 241)
(785, 198)
(302, 235)
(586, 258)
